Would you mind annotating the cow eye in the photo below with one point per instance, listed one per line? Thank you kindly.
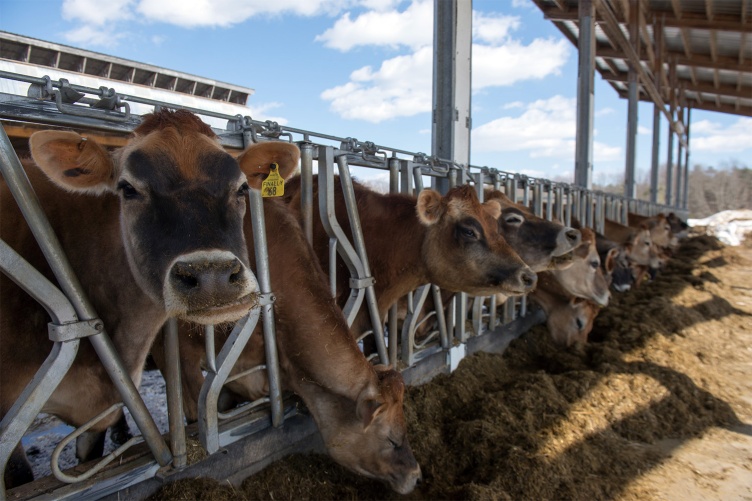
(127, 189)
(515, 219)
(393, 443)
(595, 264)
(467, 232)
(243, 190)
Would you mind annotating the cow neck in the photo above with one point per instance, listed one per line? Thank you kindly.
(394, 243)
(312, 334)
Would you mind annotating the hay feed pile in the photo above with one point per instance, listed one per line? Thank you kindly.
(667, 363)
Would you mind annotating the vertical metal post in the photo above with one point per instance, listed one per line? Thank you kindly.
(670, 153)
(654, 167)
(451, 84)
(633, 90)
(267, 304)
(685, 200)
(394, 187)
(583, 164)
(679, 170)
(174, 394)
(306, 189)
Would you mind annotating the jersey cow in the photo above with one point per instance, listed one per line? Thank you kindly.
(569, 319)
(357, 407)
(152, 230)
(542, 244)
(451, 241)
(585, 277)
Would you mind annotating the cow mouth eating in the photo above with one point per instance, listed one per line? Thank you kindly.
(225, 312)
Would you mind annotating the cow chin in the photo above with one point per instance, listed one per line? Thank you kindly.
(221, 314)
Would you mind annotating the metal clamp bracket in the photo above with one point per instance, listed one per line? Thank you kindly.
(361, 283)
(75, 330)
(266, 298)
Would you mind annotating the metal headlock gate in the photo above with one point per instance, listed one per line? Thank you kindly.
(252, 425)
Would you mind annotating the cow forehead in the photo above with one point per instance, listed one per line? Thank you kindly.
(167, 158)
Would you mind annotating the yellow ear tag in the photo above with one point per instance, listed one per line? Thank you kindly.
(273, 185)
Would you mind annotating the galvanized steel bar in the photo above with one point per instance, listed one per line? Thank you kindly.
(306, 188)
(583, 170)
(267, 305)
(654, 166)
(360, 247)
(174, 394)
(208, 422)
(336, 235)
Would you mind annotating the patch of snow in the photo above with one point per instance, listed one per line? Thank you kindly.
(729, 226)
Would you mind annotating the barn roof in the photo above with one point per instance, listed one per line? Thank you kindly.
(63, 57)
(693, 53)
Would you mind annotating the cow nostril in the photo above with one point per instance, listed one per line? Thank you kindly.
(236, 274)
(528, 279)
(183, 273)
(580, 324)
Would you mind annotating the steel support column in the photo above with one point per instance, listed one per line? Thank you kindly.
(452, 44)
(685, 200)
(583, 162)
(654, 166)
(679, 172)
(633, 91)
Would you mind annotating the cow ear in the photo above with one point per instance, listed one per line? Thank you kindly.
(492, 208)
(430, 207)
(368, 409)
(72, 161)
(611, 259)
(256, 161)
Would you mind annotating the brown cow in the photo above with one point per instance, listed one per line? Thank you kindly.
(585, 278)
(658, 225)
(357, 408)
(637, 242)
(451, 241)
(569, 319)
(151, 230)
(541, 244)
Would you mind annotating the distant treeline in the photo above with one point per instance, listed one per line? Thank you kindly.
(711, 189)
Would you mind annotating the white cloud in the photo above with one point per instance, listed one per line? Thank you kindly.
(411, 28)
(400, 87)
(713, 137)
(96, 12)
(641, 129)
(94, 36)
(514, 62)
(493, 29)
(604, 111)
(545, 129)
(195, 13)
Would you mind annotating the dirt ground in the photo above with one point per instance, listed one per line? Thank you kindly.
(657, 406)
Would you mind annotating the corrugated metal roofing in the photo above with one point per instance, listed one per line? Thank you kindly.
(698, 53)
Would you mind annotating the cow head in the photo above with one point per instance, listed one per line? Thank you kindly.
(372, 440)
(621, 272)
(660, 230)
(571, 321)
(463, 249)
(542, 244)
(182, 203)
(584, 278)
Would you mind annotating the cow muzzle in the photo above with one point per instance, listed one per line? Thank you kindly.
(567, 240)
(209, 287)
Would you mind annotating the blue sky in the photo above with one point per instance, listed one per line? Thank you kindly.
(362, 68)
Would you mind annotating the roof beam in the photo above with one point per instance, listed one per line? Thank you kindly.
(723, 22)
(735, 109)
(645, 79)
(699, 60)
(727, 90)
